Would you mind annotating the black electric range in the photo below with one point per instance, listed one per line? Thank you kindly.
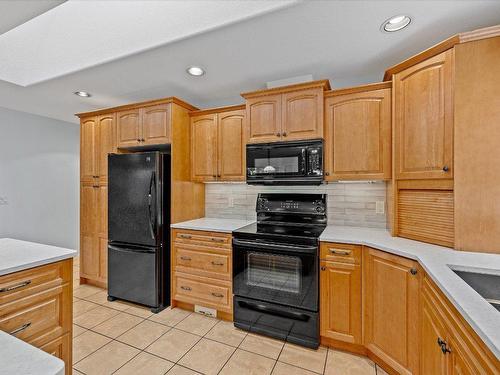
(276, 268)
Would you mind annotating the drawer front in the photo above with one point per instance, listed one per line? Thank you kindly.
(202, 238)
(21, 284)
(342, 253)
(203, 261)
(60, 348)
(203, 291)
(37, 315)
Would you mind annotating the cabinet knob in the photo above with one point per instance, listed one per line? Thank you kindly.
(446, 168)
(443, 345)
(214, 175)
(218, 175)
(142, 139)
(138, 139)
(323, 268)
(284, 134)
(413, 271)
(278, 134)
(327, 173)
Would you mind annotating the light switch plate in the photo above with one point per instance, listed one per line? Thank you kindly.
(380, 207)
(205, 311)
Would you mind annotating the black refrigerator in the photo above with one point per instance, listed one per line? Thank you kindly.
(138, 228)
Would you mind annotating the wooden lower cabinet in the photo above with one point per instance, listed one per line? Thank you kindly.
(36, 306)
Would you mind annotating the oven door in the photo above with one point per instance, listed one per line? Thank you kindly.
(281, 273)
(276, 161)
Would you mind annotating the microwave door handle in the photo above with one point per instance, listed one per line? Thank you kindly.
(304, 161)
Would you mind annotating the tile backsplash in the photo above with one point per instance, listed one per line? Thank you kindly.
(351, 204)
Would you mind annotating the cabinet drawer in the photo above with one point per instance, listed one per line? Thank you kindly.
(24, 283)
(203, 291)
(343, 253)
(37, 315)
(202, 238)
(203, 261)
(60, 348)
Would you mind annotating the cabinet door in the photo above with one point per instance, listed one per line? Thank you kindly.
(264, 118)
(102, 231)
(88, 147)
(424, 119)
(302, 114)
(391, 309)
(231, 146)
(128, 128)
(156, 124)
(89, 254)
(105, 144)
(432, 359)
(204, 147)
(340, 301)
(61, 348)
(358, 135)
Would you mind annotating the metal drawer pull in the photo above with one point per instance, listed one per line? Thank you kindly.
(340, 252)
(185, 258)
(185, 288)
(218, 295)
(188, 236)
(217, 263)
(20, 329)
(17, 286)
(217, 239)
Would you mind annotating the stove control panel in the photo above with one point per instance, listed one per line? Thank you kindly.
(292, 203)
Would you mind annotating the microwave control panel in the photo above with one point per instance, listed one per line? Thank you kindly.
(314, 160)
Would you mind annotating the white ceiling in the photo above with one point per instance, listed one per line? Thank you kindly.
(339, 40)
(15, 13)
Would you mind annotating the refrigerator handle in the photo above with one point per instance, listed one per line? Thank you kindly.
(152, 218)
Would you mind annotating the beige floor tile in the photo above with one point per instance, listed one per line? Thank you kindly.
(107, 359)
(173, 344)
(77, 330)
(80, 306)
(207, 357)
(286, 369)
(145, 363)
(243, 363)
(102, 299)
(197, 324)
(117, 325)
(137, 310)
(86, 290)
(226, 333)
(380, 370)
(179, 370)
(76, 372)
(262, 345)
(309, 359)
(87, 343)
(95, 317)
(143, 334)
(341, 363)
(170, 317)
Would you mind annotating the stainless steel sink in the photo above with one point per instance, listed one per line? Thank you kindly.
(487, 285)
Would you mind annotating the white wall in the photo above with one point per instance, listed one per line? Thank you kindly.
(39, 179)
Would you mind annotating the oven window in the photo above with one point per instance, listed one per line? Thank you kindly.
(277, 165)
(278, 272)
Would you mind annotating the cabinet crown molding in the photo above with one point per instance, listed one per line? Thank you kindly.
(210, 111)
(324, 83)
(357, 89)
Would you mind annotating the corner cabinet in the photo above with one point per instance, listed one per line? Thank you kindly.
(218, 145)
(391, 309)
(286, 113)
(150, 125)
(358, 133)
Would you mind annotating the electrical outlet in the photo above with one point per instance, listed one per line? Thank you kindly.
(3, 201)
(380, 207)
(230, 202)
(205, 311)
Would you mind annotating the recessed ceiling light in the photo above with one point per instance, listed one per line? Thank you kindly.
(83, 94)
(195, 71)
(395, 23)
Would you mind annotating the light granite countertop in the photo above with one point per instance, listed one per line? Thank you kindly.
(438, 262)
(212, 224)
(18, 357)
(17, 255)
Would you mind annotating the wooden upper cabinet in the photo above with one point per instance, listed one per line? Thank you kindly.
(105, 143)
(231, 146)
(391, 309)
(423, 115)
(302, 114)
(156, 124)
(88, 129)
(204, 147)
(358, 134)
(264, 118)
(128, 128)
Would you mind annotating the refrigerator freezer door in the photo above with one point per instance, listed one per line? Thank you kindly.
(133, 198)
(133, 275)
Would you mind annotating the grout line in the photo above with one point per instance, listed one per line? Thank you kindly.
(326, 359)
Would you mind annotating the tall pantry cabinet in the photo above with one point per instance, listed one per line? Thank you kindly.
(97, 139)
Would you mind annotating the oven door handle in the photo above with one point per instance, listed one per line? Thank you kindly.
(273, 311)
(277, 247)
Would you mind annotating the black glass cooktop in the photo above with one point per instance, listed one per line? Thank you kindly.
(282, 230)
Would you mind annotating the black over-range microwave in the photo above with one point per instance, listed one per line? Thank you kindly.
(285, 163)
